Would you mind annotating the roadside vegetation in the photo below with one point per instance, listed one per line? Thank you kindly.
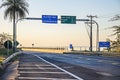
(14, 9)
(115, 45)
(3, 51)
(3, 55)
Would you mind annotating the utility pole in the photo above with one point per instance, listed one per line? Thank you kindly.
(91, 21)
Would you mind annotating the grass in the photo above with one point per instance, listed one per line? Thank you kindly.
(117, 54)
(45, 50)
(1, 59)
(3, 52)
(3, 55)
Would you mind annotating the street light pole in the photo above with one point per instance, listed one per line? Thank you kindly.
(97, 37)
(15, 30)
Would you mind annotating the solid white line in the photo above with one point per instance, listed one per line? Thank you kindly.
(60, 68)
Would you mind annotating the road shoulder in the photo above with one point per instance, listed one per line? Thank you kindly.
(10, 71)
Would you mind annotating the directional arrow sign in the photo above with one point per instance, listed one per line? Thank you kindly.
(8, 44)
(68, 19)
(50, 19)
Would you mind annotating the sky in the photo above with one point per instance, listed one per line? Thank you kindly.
(41, 34)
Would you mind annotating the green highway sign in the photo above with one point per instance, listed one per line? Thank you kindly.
(68, 19)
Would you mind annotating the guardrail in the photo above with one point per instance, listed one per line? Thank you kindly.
(9, 58)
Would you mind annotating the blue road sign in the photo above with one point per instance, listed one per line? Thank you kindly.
(50, 19)
(70, 46)
(104, 44)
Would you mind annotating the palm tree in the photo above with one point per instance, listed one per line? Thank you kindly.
(115, 18)
(15, 9)
(116, 31)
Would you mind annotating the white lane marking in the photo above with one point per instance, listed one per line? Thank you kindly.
(60, 68)
(34, 65)
(40, 66)
(36, 68)
(115, 63)
(68, 67)
(34, 72)
(105, 74)
(37, 78)
(88, 59)
(100, 60)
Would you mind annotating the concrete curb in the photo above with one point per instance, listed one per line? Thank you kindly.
(84, 53)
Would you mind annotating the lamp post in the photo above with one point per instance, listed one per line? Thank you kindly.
(97, 37)
(15, 32)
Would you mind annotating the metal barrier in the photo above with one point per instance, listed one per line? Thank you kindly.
(10, 57)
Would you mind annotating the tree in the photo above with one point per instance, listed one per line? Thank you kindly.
(115, 18)
(108, 48)
(116, 44)
(15, 9)
(116, 30)
(4, 37)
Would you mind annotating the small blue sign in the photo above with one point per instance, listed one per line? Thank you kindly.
(71, 46)
(50, 19)
(104, 44)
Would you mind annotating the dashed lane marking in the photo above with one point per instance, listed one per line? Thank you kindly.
(88, 59)
(100, 60)
(115, 63)
(105, 74)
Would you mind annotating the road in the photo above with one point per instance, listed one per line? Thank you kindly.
(51, 66)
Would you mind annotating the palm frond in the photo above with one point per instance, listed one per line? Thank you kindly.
(116, 30)
(21, 8)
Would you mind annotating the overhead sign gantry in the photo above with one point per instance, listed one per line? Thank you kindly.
(53, 19)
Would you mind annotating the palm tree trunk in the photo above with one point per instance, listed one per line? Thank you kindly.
(14, 30)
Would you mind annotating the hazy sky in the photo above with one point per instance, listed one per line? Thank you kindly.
(42, 34)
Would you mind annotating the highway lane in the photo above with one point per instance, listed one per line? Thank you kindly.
(87, 67)
(34, 67)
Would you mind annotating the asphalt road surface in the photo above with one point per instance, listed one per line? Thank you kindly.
(51, 66)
